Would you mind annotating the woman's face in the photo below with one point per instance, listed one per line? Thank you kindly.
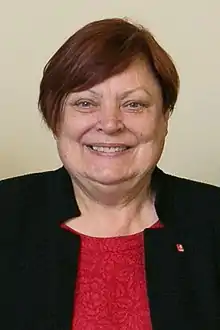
(115, 131)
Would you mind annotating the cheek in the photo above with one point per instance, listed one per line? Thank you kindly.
(152, 129)
(69, 151)
(152, 139)
(73, 127)
(67, 138)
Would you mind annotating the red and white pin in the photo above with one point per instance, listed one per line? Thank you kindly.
(180, 247)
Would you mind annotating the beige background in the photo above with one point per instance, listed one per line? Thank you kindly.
(31, 31)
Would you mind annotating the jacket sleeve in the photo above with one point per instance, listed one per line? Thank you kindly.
(215, 212)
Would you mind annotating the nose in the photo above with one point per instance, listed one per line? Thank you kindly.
(110, 120)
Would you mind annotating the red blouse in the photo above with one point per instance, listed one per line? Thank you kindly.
(111, 289)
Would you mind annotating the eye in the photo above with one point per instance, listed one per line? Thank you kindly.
(135, 106)
(85, 105)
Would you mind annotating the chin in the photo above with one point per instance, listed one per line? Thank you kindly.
(109, 180)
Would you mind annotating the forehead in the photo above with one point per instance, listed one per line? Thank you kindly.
(138, 74)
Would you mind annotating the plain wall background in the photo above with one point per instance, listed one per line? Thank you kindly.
(31, 31)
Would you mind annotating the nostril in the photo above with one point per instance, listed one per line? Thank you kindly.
(110, 125)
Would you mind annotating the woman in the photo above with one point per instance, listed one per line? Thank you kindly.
(109, 241)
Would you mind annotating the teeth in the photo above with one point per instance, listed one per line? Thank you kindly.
(108, 149)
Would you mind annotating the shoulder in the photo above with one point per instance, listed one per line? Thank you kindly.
(192, 187)
(24, 186)
(182, 188)
(191, 199)
(194, 191)
(29, 189)
(23, 198)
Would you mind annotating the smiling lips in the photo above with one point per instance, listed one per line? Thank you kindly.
(108, 149)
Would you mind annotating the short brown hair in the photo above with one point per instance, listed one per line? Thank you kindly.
(96, 52)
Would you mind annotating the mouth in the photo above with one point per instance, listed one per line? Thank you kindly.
(110, 150)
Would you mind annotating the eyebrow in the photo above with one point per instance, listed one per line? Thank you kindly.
(125, 93)
(130, 91)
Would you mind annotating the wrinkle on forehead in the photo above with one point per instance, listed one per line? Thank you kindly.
(138, 77)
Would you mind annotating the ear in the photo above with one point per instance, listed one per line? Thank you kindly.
(166, 121)
(56, 131)
(55, 136)
(167, 115)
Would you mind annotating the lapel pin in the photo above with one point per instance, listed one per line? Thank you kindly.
(180, 248)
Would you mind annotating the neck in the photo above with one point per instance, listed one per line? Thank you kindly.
(125, 207)
(117, 196)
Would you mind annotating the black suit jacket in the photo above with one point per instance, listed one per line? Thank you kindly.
(39, 259)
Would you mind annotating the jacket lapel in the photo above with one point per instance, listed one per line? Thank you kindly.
(165, 263)
(165, 280)
(67, 252)
(182, 285)
(65, 247)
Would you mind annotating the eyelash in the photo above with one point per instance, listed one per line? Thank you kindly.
(79, 103)
(139, 105)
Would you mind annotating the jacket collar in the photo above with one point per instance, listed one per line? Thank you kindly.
(65, 205)
(164, 288)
